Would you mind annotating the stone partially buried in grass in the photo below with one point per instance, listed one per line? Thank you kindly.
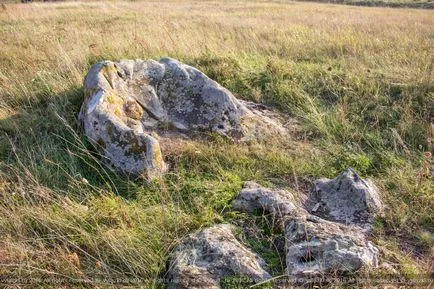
(315, 247)
(131, 103)
(205, 257)
(253, 197)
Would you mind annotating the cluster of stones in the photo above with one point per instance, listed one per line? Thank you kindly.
(131, 104)
(326, 235)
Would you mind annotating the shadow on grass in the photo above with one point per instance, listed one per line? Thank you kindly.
(44, 138)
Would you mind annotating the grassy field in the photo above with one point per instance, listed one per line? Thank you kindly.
(421, 4)
(358, 80)
(425, 4)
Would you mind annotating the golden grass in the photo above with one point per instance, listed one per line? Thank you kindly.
(60, 37)
(63, 214)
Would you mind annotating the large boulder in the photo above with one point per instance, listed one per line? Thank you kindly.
(205, 257)
(130, 104)
(347, 199)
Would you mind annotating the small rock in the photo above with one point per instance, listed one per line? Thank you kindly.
(205, 257)
(252, 197)
(315, 246)
(347, 199)
(388, 268)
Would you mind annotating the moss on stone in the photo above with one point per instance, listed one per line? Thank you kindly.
(110, 130)
(109, 71)
(117, 111)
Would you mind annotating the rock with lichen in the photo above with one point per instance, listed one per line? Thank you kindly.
(347, 199)
(315, 247)
(131, 103)
(207, 256)
(254, 197)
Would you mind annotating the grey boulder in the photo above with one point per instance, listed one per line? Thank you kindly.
(347, 199)
(253, 197)
(205, 257)
(129, 105)
(315, 247)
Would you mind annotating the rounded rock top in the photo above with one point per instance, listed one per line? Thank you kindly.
(130, 103)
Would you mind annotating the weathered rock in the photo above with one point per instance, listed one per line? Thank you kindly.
(205, 257)
(130, 103)
(278, 203)
(346, 199)
(315, 246)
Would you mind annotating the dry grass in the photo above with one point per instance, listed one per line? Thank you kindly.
(359, 80)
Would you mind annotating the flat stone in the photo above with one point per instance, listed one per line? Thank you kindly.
(313, 246)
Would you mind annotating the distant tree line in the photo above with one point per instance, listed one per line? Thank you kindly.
(424, 4)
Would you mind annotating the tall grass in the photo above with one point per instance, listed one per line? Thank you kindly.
(357, 80)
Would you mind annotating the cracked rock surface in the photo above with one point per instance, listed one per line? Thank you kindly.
(314, 245)
(130, 104)
(347, 199)
(203, 258)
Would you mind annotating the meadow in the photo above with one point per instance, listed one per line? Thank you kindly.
(355, 81)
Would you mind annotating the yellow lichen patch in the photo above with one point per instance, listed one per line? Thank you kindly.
(115, 103)
(113, 98)
(158, 158)
(133, 110)
(155, 135)
(109, 71)
(117, 111)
